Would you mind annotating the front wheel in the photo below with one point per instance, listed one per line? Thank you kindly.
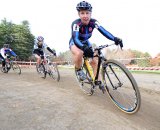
(16, 68)
(54, 72)
(121, 86)
(41, 70)
(87, 85)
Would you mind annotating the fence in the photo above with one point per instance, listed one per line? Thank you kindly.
(31, 64)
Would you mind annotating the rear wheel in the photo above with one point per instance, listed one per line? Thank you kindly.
(87, 86)
(54, 72)
(121, 86)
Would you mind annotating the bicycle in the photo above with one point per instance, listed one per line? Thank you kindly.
(11, 63)
(117, 80)
(48, 67)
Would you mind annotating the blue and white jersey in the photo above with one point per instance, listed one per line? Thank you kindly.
(3, 52)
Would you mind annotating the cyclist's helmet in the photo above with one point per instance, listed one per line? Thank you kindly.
(83, 5)
(40, 38)
(6, 46)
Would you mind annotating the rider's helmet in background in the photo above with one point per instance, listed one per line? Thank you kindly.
(83, 5)
(6, 46)
(40, 39)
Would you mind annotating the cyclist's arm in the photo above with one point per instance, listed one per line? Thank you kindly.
(2, 51)
(50, 50)
(75, 36)
(35, 45)
(104, 32)
(13, 53)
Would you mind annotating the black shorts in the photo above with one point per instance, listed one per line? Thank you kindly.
(38, 52)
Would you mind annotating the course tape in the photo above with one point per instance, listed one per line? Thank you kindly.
(30, 64)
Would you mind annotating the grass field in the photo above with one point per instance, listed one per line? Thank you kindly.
(145, 71)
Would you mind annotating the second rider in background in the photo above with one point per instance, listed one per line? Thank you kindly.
(39, 48)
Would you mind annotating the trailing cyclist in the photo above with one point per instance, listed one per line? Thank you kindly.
(39, 47)
(82, 29)
(5, 53)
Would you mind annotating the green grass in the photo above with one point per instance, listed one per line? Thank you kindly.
(146, 71)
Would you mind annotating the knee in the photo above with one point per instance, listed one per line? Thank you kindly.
(39, 58)
(79, 54)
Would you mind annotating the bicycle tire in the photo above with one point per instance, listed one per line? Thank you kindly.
(5, 69)
(54, 72)
(41, 70)
(125, 95)
(16, 68)
(87, 86)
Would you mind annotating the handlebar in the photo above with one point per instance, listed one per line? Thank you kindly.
(103, 46)
(11, 57)
(48, 56)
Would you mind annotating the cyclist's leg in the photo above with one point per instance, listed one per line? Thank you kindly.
(38, 56)
(94, 64)
(77, 56)
(3, 61)
(94, 61)
(38, 59)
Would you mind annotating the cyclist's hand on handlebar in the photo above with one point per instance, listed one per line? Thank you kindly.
(54, 54)
(8, 56)
(88, 52)
(118, 41)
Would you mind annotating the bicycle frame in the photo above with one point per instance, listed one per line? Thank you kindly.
(90, 70)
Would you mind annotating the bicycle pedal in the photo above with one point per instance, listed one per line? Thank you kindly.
(98, 82)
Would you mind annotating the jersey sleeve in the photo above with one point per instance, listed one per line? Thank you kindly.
(103, 31)
(35, 45)
(12, 53)
(2, 52)
(75, 35)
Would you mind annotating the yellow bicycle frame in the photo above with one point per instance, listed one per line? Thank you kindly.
(89, 68)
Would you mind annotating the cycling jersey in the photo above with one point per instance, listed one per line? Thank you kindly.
(3, 53)
(39, 48)
(81, 33)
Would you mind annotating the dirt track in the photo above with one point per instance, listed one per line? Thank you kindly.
(28, 102)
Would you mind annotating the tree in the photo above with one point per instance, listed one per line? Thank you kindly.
(66, 56)
(18, 36)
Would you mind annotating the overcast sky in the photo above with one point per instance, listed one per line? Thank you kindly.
(137, 22)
